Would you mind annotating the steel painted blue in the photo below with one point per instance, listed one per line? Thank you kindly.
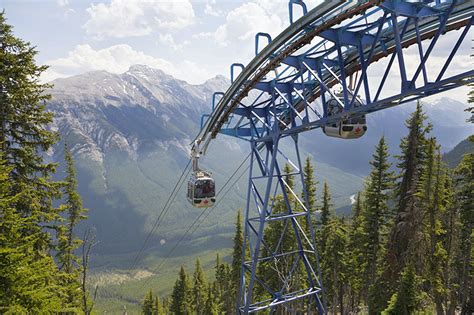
(285, 90)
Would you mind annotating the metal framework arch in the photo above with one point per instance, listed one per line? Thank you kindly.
(338, 44)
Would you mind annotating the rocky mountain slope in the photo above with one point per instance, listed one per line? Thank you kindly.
(132, 112)
(130, 135)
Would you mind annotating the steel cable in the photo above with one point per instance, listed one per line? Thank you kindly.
(199, 217)
(164, 211)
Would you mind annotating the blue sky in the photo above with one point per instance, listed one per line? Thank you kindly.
(193, 40)
(190, 39)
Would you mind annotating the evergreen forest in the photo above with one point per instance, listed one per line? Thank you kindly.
(407, 249)
(41, 271)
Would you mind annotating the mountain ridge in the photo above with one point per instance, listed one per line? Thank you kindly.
(130, 135)
(454, 157)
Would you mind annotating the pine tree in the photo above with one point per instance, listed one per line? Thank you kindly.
(413, 148)
(220, 279)
(158, 308)
(434, 200)
(211, 307)
(334, 263)
(23, 137)
(356, 254)
(199, 289)
(289, 179)
(67, 242)
(408, 298)
(148, 304)
(223, 286)
(237, 254)
(326, 210)
(327, 205)
(450, 224)
(23, 119)
(23, 126)
(376, 214)
(406, 232)
(181, 296)
(27, 278)
(166, 305)
(465, 260)
(310, 184)
(75, 213)
(407, 229)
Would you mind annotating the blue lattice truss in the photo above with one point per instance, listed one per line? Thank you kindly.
(357, 48)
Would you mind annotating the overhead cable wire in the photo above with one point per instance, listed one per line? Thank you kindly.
(218, 201)
(199, 217)
(164, 210)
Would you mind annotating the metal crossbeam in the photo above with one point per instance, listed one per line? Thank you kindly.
(334, 46)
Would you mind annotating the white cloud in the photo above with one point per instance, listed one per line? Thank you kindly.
(234, 39)
(211, 10)
(68, 12)
(114, 59)
(280, 8)
(244, 22)
(127, 18)
(62, 3)
(50, 75)
(118, 59)
(168, 40)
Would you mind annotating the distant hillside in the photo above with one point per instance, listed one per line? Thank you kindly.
(455, 156)
(130, 135)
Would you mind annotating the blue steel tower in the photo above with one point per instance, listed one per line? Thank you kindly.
(357, 48)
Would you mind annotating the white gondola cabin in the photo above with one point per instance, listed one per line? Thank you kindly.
(351, 128)
(201, 190)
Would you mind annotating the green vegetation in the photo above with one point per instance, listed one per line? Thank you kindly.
(454, 157)
(471, 101)
(464, 257)
(39, 272)
(195, 294)
(408, 299)
(407, 249)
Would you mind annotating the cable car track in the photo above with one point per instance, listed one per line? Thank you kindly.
(409, 42)
(266, 54)
(357, 67)
(253, 73)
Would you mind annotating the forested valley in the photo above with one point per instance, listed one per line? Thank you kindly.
(407, 249)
